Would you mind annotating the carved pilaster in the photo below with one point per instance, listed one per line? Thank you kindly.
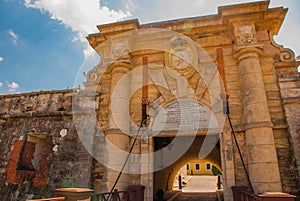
(256, 110)
(117, 134)
(120, 96)
(262, 156)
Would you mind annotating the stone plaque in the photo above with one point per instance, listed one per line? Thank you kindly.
(185, 115)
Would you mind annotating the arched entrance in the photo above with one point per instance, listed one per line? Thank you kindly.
(198, 176)
(164, 179)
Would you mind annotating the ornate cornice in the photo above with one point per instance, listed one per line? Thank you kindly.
(265, 18)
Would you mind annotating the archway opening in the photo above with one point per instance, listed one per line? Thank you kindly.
(167, 179)
(198, 176)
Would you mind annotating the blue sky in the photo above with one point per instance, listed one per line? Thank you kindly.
(43, 46)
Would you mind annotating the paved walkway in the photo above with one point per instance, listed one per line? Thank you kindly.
(201, 184)
(201, 188)
(196, 197)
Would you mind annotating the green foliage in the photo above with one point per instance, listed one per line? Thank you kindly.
(215, 171)
(46, 186)
(68, 182)
(61, 109)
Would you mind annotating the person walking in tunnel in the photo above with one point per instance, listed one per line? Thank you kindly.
(160, 195)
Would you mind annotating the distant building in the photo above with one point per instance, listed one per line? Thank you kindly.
(199, 168)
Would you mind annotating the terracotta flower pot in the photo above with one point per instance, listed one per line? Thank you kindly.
(74, 194)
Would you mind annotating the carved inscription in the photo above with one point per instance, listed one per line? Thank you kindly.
(184, 115)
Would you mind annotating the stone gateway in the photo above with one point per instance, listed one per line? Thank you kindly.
(158, 101)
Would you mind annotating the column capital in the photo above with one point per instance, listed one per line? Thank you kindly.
(110, 131)
(121, 66)
(241, 52)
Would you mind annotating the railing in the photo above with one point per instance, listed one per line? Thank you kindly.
(50, 199)
(241, 193)
(133, 193)
(114, 196)
(247, 196)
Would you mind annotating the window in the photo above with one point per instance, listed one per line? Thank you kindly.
(208, 166)
(197, 166)
(27, 155)
(187, 166)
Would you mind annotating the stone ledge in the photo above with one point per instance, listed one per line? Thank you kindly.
(294, 100)
(37, 93)
(258, 124)
(36, 114)
(50, 199)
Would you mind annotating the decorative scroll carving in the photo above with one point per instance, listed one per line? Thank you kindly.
(92, 75)
(117, 56)
(285, 54)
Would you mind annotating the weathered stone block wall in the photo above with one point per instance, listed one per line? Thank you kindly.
(289, 83)
(44, 101)
(63, 160)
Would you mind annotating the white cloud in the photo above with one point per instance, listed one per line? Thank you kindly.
(13, 35)
(12, 87)
(9, 87)
(81, 16)
(77, 14)
(1, 59)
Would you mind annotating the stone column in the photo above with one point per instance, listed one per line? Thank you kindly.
(147, 165)
(227, 162)
(117, 133)
(262, 157)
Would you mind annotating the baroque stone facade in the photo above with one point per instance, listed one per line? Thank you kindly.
(182, 70)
